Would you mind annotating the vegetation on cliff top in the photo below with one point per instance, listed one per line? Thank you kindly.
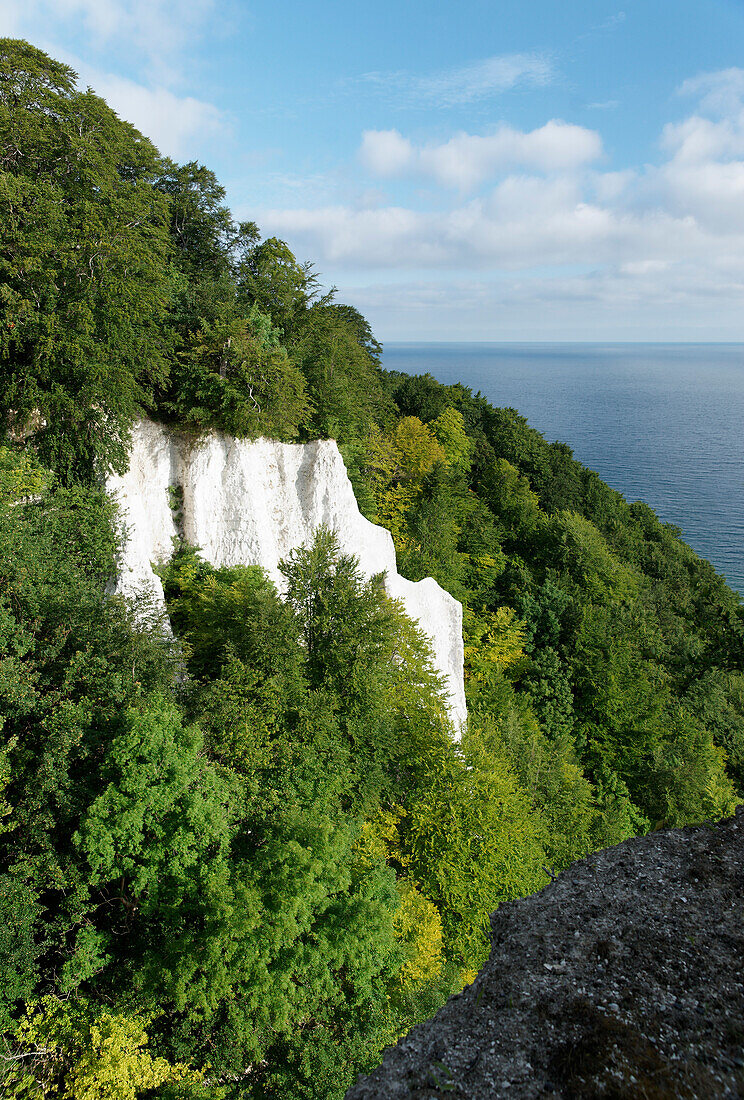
(239, 864)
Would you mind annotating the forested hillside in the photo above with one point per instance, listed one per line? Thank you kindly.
(239, 862)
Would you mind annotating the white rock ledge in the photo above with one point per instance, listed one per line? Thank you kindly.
(251, 503)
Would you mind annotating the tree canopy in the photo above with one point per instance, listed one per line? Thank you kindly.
(84, 266)
(240, 856)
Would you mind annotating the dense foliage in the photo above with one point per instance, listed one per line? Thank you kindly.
(84, 265)
(239, 861)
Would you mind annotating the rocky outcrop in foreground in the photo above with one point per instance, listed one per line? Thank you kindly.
(623, 979)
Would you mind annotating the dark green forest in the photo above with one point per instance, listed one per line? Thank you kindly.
(239, 861)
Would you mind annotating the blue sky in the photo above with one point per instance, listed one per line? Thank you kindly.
(534, 170)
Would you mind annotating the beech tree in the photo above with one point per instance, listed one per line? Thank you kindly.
(340, 365)
(257, 850)
(84, 266)
(270, 277)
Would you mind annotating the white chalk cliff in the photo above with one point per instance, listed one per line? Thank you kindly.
(251, 503)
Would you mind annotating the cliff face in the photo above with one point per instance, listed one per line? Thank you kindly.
(252, 503)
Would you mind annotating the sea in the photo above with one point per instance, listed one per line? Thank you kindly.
(663, 423)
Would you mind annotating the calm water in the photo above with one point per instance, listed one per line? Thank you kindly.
(662, 423)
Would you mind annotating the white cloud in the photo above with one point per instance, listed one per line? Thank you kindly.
(178, 124)
(610, 187)
(712, 193)
(716, 131)
(175, 124)
(619, 303)
(525, 223)
(699, 139)
(720, 92)
(158, 29)
(550, 242)
(467, 160)
(481, 80)
(611, 23)
(486, 78)
(704, 175)
(12, 16)
(386, 152)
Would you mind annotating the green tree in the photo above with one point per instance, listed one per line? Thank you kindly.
(320, 705)
(270, 278)
(374, 665)
(234, 376)
(202, 228)
(717, 701)
(449, 429)
(342, 373)
(84, 267)
(76, 1050)
(71, 660)
(470, 841)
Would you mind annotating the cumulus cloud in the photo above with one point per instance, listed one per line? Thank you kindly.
(705, 171)
(523, 224)
(712, 193)
(386, 152)
(480, 80)
(175, 124)
(159, 29)
(704, 174)
(467, 160)
(670, 234)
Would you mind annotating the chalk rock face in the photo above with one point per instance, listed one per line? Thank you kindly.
(251, 503)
